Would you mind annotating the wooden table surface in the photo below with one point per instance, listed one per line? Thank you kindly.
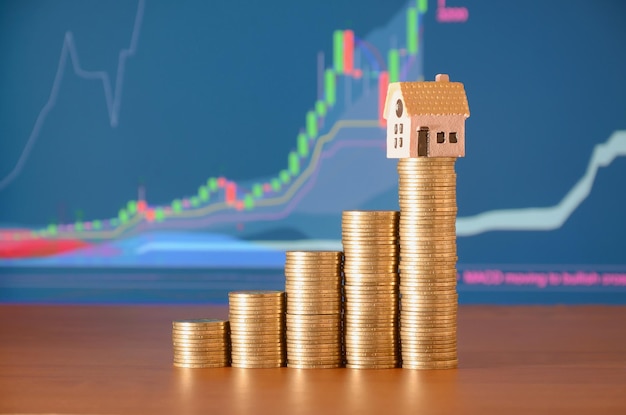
(117, 360)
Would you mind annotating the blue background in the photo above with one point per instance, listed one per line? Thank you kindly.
(221, 88)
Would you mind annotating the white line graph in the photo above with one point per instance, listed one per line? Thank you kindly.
(112, 95)
(551, 217)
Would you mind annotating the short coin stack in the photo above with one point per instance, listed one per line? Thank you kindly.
(313, 288)
(370, 244)
(429, 301)
(200, 343)
(257, 333)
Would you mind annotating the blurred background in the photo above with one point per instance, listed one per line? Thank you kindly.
(169, 152)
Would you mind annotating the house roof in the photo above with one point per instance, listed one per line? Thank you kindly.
(440, 97)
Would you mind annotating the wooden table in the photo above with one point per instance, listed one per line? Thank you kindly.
(117, 360)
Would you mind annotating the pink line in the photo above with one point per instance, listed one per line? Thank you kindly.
(451, 14)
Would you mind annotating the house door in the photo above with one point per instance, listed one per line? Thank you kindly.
(423, 136)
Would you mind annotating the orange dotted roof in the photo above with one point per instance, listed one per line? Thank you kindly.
(431, 98)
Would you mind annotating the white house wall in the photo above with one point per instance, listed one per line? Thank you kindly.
(394, 150)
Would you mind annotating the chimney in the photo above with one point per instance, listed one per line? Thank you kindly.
(442, 77)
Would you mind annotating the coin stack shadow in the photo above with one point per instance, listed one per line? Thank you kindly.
(370, 244)
(257, 328)
(313, 289)
(200, 343)
(428, 297)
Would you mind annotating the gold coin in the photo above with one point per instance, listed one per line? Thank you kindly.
(315, 359)
(250, 365)
(441, 317)
(364, 312)
(413, 204)
(208, 347)
(441, 283)
(204, 334)
(411, 311)
(369, 213)
(197, 342)
(200, 366)
(314, 318)
(352, 343)
(313, 279)
(308, 266)
(370, 289)
(256, 305)
(255, 294)
(426, 296)
(367, 361)
(416, 352)
(429, 246)
(335, 310)
(236, 310)
(359, 282)
(195, 322)
(299, 284)
(427, 326)
(356, 263)
(223, 357)
(260, 360)
(314, 365)
(361, 228)
(425, 185)
(373, 238)
(297, 328)
(313, 294)
(302, 324)
(300, 354)
(258, 363)
(207, 333)
(426, 337)
(298, 254)
(199, 360)
(201, 352)
(451, 364)
(321, 339)
(390, 365)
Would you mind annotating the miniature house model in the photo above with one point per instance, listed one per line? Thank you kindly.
(426, 119)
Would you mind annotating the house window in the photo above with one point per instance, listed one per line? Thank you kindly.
(399, 108)
(453, 138)
(397, 130)
(441, 137)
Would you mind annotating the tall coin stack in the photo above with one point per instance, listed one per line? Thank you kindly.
(370, 244)
(200, 343)
(429, 301)
(313, 288)
(257, 328)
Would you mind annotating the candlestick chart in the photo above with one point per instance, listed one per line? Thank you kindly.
(149, 136)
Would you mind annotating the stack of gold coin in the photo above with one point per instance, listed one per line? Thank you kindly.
(429, 301)
(370, 244)
(257, 328)
(200, 343)
(313, 287)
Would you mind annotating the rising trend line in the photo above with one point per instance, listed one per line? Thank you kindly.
(284, 198)
(113, 96)
(551, 217)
